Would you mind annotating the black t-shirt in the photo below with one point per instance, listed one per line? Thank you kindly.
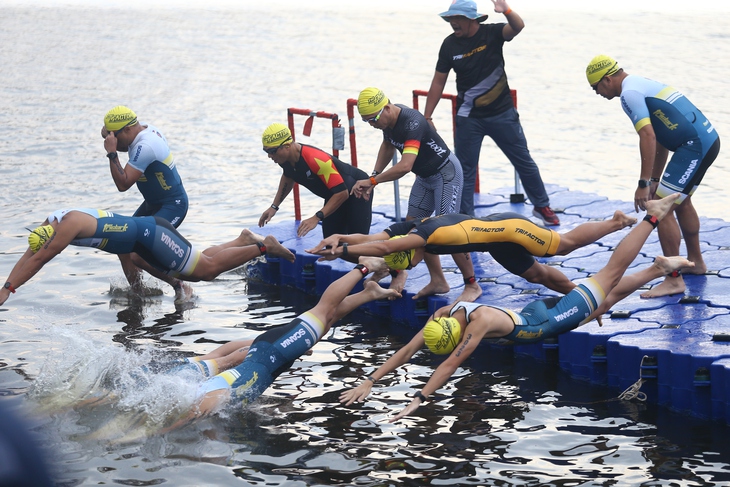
(412, 134)
(478, 61)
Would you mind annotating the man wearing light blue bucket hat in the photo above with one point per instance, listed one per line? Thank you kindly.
(484, 106)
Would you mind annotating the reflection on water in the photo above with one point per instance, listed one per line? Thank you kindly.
(211, 80)
(504, 420)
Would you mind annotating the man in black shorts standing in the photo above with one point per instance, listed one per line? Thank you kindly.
(439, 179)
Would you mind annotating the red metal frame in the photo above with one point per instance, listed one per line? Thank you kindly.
(351, 104)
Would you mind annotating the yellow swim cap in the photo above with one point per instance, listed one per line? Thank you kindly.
(442, 335)
(599, 67)
(370, 101)
(39, 237)
(119, 117)
(275, 135)
(399, 260)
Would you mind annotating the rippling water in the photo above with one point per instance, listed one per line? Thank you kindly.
(211, 79)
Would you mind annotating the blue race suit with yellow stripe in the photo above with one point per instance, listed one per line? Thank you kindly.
(679, 126)
(151, 237)
(270, 354)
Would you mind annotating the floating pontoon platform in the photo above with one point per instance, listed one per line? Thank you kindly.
(677, 346)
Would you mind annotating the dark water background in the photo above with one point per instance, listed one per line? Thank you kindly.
(211, 77)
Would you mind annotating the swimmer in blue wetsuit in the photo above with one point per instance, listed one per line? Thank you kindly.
(457, 329)
(153, 242)
(665, 121)
(274, 351)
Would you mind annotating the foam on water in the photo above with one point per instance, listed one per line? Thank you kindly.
(115, 384)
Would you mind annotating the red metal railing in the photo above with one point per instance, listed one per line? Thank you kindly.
(351, 104)
(338, 134)
(417, 93)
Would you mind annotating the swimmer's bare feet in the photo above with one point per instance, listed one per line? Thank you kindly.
(699, 269)
(247, 237)
(670, 285)
(374, 291)
(379, 273)
(275, 249)
(398, 283)
(470, 293)
(377, 276)
(667, 265)
(623, 219)
(661, 208)
(433, 287)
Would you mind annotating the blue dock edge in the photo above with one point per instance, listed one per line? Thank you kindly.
(676, 347)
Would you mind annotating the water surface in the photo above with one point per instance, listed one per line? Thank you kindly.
(212, 79)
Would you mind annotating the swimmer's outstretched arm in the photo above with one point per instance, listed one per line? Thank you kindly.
(402, 356)
(373, 248)
(490, 322)
(211, 402)
(330, 243)
(31, 263)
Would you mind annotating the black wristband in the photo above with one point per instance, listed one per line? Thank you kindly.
(420, 396)
(112, 156)
(274, 207)
(652, 219)
(344, 250)
(361, 267)
(654, 180)
(371, 379)
(319, 215)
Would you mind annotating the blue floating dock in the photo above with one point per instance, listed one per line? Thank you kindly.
(677, 347)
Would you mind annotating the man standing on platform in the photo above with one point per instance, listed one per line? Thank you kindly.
(485, 107)
(665, 121)
(439, 179)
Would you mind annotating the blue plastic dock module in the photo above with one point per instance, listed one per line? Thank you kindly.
(679, 346)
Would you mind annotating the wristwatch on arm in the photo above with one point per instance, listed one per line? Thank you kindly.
(644, 183)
